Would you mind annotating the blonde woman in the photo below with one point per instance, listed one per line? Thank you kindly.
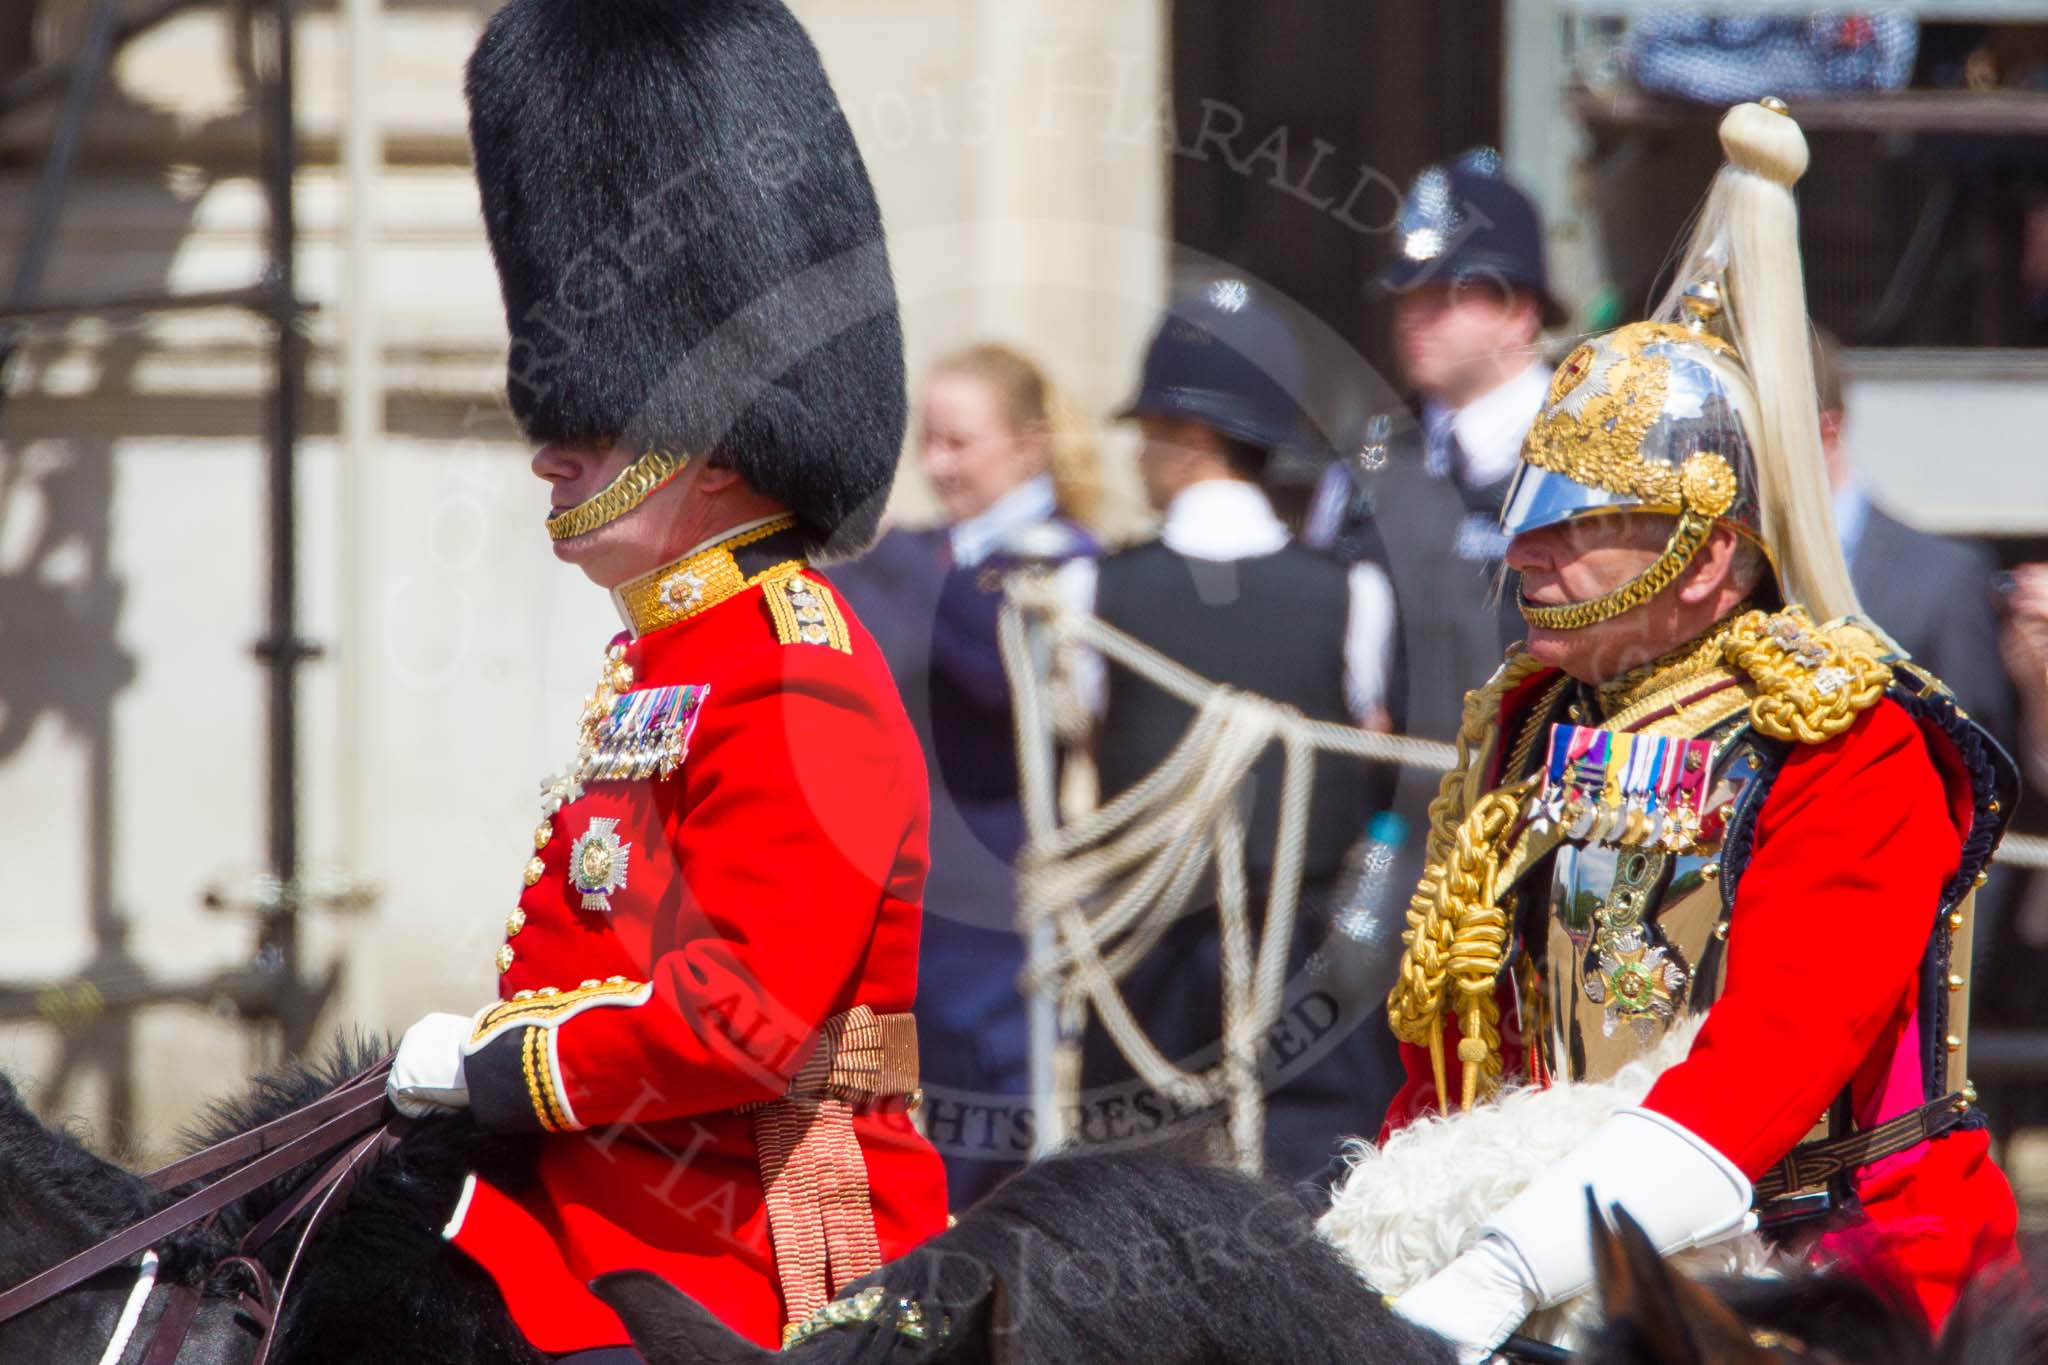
(1015, 473)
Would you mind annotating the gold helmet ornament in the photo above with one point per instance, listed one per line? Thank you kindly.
(1707, 412)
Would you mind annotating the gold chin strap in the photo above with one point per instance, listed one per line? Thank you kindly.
(1686, 539)
(1706, 489)
(624, 493)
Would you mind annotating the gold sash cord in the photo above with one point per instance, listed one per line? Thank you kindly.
(812, 1171)
(1457, 936)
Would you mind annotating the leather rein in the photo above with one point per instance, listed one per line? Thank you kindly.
(350, 1126)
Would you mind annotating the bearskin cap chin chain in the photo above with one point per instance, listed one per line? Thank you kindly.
(632, 486)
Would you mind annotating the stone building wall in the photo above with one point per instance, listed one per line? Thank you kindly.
(1024, 201)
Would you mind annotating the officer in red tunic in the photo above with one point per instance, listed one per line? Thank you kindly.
(1689, 796)
(710, 953)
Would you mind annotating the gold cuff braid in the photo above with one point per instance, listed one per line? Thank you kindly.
(624, 493)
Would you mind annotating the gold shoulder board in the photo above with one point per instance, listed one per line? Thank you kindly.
(805, 613)
(1810, 682)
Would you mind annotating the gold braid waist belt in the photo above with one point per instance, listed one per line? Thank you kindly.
(1812, 1164)
(812, 1172)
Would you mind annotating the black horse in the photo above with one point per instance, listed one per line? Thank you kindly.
(377, 1283)
(1083, 1259)
(1105, 1259)
(1097, 1258)
(1654, 1316)
(1092, 1258)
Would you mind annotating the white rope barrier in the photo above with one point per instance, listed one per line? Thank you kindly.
(1096, 893)
(2023, 850)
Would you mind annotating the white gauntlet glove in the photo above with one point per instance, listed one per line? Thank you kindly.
(1537, 1252)
(426, 1076)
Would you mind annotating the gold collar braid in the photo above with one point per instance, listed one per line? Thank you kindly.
(628, 490)
(1696, 659)
(698, 582)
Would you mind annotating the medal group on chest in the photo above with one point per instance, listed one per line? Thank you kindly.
(1618, 788)
(625, 735)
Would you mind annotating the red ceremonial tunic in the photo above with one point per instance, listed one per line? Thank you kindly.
(1830, 920)
(772, 880)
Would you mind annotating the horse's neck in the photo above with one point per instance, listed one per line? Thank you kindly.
(59, 1198)
(78, 1324)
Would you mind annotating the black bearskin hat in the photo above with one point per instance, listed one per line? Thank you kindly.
(689, 248)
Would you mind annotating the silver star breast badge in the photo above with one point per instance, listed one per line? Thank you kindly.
(682, 591)
(597, 864)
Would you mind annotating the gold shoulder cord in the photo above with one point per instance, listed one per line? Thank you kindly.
(1457, 934)
(1811, 682)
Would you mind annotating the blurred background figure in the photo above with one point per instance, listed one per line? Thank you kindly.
(1934, 596)
(1014, 469)
(1470, 295)
(1225, 591)
(2013, 951)
(2024, 644)
(1930, 593)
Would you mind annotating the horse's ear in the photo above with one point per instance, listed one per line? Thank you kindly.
(1675, 1319)
(669, 1327)
(1610, 1264)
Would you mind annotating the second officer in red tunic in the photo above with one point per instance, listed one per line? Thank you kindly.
(710, 956)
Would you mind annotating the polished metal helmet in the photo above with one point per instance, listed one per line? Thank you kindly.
(1647, 418)
(1706, 413)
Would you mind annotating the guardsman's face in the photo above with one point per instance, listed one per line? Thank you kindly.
(1579, 560)
(659, 530)
(968, 447)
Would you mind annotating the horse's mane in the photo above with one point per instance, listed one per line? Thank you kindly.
(273, 1094)
(381, 1263)
(95, 1196)
(386, 1250)
(1103, 1256)
(189, 1255)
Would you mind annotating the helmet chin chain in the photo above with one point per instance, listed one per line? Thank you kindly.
(633, 485)
(1686, 538)
(1705, 488)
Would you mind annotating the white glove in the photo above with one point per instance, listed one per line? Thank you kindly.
(1475, 1302)
(426, 1076)
(1537, 1252)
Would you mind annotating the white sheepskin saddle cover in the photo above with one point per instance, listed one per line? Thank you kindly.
(1404, 1211)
